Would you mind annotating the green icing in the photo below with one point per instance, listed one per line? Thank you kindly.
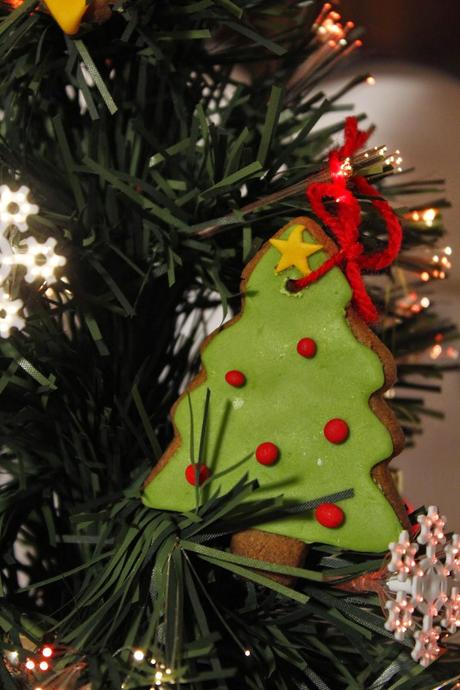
(287, 399)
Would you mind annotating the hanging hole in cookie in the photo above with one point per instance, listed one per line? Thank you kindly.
(291, 286)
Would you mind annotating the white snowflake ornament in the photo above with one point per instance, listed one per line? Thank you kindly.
(453, 556)
(431, 529)
(9, 317)
(40, 260)
(400, 619)
(426, 649)
(424, 586)
(451, 620)
(403, 556)
(14, 208)
(6, 258)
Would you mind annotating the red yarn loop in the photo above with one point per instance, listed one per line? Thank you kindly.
(354, 139)
(344, 225)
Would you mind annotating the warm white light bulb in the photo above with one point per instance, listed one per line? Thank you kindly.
(429, 215)
(40, 259)
(9, 317)
(14, 208)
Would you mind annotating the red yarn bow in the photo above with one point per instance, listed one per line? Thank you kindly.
(344, 224)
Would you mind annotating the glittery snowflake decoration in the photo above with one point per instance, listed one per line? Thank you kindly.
(424, 587)
(403, 553)
(400, 619)
(40, 260)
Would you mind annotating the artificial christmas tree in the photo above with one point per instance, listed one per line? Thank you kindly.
(163, 147)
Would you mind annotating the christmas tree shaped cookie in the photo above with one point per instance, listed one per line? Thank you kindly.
(296, 384)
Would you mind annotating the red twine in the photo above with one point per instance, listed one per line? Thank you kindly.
(344, 225)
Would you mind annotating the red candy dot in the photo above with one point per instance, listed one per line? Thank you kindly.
(306, 347)
(196, 474)
(267, 453)
(329, 515)
(235, 378)
(336, 431)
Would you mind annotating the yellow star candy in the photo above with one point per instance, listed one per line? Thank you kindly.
(294, 252)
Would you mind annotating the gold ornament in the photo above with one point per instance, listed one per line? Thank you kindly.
(69, 13)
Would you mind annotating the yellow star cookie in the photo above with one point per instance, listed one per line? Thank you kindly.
(294, 252)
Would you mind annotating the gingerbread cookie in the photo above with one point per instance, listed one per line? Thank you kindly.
(296, 387)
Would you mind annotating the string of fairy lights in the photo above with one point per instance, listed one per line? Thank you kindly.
(38, 260)
(38, 667)
(35, 664)
(162, 673)
(432, 267)
(332, 41)
(335, 40)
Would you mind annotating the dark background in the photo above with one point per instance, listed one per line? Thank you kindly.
(423, 31)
